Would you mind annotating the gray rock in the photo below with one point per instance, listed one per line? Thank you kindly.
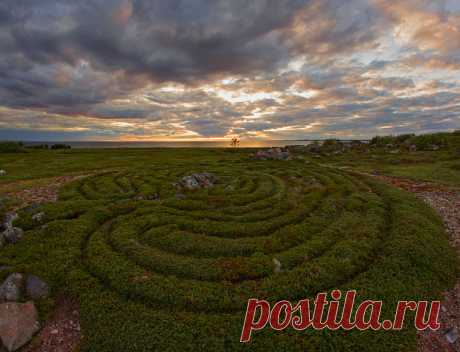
(197, 181)
(273, 154)
(452, 335)
(9, 219)
(11, 288)
(18, 324)
(277, 264)
(13, 235)
(2, 172)
(38, 217)
(9, 233)
(189, 182)
(36, 288)
(32, 208)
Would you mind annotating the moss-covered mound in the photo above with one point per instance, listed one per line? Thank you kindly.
(161, 269)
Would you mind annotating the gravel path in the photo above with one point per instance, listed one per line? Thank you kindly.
(60, 333)
(446, 201)
(47, 191)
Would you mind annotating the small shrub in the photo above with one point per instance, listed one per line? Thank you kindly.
(11, 147)
(60, 146)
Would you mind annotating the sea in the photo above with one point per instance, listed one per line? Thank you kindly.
(181, 144)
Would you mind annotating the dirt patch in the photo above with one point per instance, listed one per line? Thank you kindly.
(446, 201)
(62, 332)
(36, 191)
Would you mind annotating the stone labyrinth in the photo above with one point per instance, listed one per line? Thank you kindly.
(188, 261)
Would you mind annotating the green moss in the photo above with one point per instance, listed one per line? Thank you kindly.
(175, 274)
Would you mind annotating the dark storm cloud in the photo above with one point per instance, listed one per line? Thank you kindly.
(178, 40)
(211, 68)
(167, 40)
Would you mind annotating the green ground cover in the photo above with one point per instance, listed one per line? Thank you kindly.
(175, 273)
(391, 156)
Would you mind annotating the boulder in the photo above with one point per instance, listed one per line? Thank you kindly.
(196, 181)
(13, 235)
(9, 233)
(9, 218)
(189, 182)
(36, 288)
(2, 172)
(11, 288)
(18, 324)
(38, 217)
(273, 154)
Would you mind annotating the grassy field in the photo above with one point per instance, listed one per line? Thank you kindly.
(175, 273)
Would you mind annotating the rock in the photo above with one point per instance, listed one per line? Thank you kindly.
(412, 148)
(189, 182)
(205, 179)
(18, 324)
(2, 172)
(32, 208)
(9, 218)
(196, 181)
(9, 233)
(452, 335)
(36, 288)
(277, 264)
(273, 154)
(180, 196)
(148, 197)
(13, 235)
(38, 217)
(11, 288)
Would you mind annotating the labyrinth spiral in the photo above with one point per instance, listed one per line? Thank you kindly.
(183, 264)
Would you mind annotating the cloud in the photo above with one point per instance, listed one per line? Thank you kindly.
(200, 68)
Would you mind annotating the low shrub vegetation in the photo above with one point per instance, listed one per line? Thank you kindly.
(155, 267)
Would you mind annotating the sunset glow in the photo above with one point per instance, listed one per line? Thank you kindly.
(128, 70)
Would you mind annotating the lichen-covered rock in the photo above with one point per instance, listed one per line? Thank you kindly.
(36, 288)
(13, 234)
(273, 154)
(38, 217)
(9, 233)
(18, 324)
(197, 181)
(11, 288)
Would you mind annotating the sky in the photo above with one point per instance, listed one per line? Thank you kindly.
(140, 70)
